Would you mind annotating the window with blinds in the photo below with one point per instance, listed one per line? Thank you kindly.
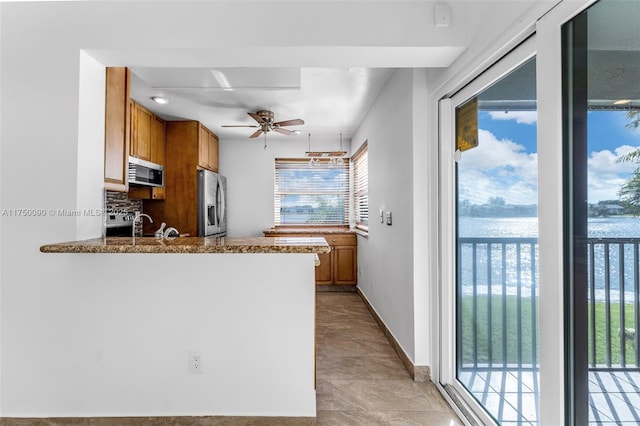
(311, 195)
(361, 187)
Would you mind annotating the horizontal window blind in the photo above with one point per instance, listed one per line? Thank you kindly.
(361, 187)
(311, 195)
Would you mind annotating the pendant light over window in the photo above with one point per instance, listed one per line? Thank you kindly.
(335, 158)
(314, 160)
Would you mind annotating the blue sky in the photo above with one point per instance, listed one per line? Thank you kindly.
(524, 134)
(607, 130)
(505, 163)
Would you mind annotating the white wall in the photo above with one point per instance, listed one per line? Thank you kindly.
(249, 169)
(386, 256)
(425, 195)
(90, 145)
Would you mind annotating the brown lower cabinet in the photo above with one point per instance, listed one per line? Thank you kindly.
(338, 267)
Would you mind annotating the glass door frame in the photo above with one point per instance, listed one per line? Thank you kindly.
(548, 46)
(518, 56)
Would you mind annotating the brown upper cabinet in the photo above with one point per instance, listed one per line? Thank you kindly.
(117, 128)
(158, 141)
(207, 149)
(141, 122)
(133, 130)
(158, 151)
(148, 143)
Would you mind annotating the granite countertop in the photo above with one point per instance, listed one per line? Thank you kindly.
(191, 245)
(309, 230)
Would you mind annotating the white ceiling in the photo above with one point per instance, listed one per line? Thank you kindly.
(326, 71)
(330, 100)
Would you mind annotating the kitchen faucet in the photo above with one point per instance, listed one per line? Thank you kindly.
(137, 217)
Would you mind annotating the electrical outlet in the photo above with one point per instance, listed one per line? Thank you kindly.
(196, 362)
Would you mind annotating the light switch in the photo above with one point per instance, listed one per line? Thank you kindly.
(389, 218)
(381, 216)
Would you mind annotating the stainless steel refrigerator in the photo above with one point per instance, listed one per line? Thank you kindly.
(212, 204)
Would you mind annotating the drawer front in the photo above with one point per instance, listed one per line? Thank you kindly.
(332, 239)
(340, 239)
(286, 235)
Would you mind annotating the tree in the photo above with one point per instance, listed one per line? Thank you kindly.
(630, 191)
(496, 201)
(634, 119)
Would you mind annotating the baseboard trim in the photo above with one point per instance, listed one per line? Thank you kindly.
(419, 373)
(335, 287)
(169, 420)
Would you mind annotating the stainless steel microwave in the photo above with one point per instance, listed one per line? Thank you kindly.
(143, 172)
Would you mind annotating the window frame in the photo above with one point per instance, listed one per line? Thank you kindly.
(324, 165)
(361, 187)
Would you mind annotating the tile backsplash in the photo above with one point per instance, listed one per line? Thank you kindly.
(118, 201)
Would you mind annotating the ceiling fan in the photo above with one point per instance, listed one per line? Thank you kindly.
(266, 124)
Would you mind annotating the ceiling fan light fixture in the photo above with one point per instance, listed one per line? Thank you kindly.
(265, 123)
(160, 100)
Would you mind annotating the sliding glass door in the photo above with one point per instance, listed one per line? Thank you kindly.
(602, 199)
(494, 207)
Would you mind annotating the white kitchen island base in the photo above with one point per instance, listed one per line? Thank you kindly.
(133, 319)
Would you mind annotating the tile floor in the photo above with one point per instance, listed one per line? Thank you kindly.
(360, 379)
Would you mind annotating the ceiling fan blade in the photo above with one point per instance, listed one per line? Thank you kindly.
(283, 131)
(256, 117)
(236, 125)
(256, 134)
(294, 122)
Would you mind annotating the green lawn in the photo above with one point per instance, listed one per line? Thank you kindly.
(601, 328)
(526, 345)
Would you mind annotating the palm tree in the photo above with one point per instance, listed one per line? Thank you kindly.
(630, 191)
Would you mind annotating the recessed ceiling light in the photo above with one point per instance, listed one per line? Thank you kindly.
(297, 132)
(160, 100)
(622, 102)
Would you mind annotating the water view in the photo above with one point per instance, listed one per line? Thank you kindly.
(513, 243)
(527, 227)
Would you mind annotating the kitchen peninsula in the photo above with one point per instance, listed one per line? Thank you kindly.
(191, 245)
(246, 305)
